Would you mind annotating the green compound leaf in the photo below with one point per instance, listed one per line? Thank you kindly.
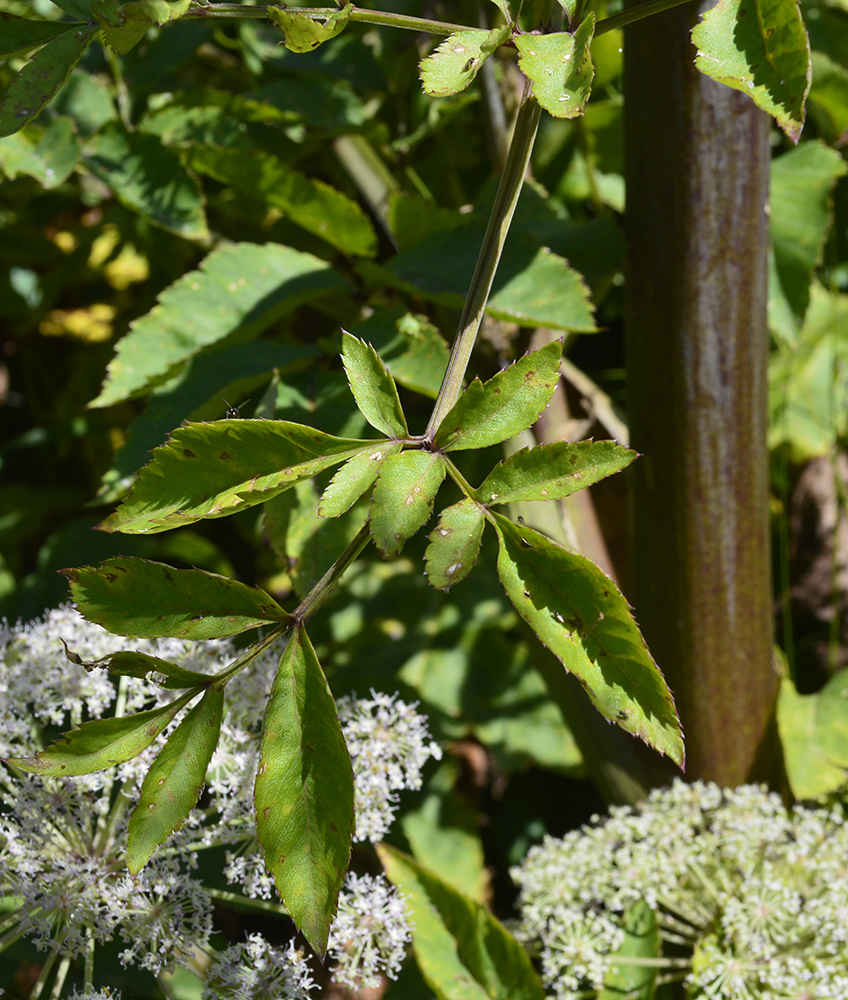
(303, 33)
(311, 204)
(175, 780)
(137, 597)
(37, 83)
(458, 59)
(463, 952)
(238, 292)
(127, 663)
(304, 792)
(762, 49)
(403, 497)
(148, 178)
(356, 476)
(96, 745)
(213, 470)
(581, 616)
(454, 544)
(373, 387)
(627, 976)
(553, 471)
(19, 35)
(488, 413)
(560, 67)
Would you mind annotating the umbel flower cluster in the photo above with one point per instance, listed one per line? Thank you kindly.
(63, 878)
(751, 900)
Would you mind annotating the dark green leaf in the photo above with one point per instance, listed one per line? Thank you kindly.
(80, 9)
(580, 615)
(356, 476)
(238, 292)
(560, 67)
(50, 161)
(303, 33)
(632, 980)
(137, 597)
(43, 75)
(128, 663)
(411, 347)
(373, 387)
(762, 49)
(309, 203)
(488, 413)
(20, 34)
(454, 544)
(455, 63)
(552, 471)
(463, 952)
(304, 792)
(212, 470)
(96, 745)
(148, 178)
(175, 780)
(403, 497)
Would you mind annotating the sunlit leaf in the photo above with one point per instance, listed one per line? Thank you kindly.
(356, 476)
(213, 470)
(762, 49)
(137, 597)
(303, 33)
(175, 780)
(632, 974)
(304, 792)
(454, 544)
(457, 60)
(810, 770)
(463, 952)
(373, 387)
(580, 615)
(488, 413)
(102, 743)
(552, 471)
(403, 497)
(560, 67)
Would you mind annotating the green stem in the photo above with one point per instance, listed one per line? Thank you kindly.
(512, 179)
(250, 654)
(323, 13)
(325, 586)
(234, 899)
(635, 14)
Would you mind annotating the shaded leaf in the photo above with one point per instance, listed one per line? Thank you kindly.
(50, 161)
(457, 60)
(309, 203)
(580, 615)
(37, 83)
(454, 544)
(128, 663)
(553, 471)
(148, 178)
(137, 597)
(403, 497)
(412, 348)
(488, 413)
(304, 792)
(175, 780)
(213, 470)
(762, 49)
(560, 67)
(102, 743)
(303, 33)
(237, 293)
(463, 952)
(634, 980)
(811, 771)
(356, 476)
(373, 387)
(19, 35)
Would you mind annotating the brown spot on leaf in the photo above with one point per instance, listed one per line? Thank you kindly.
(224, 455)
(189, 453)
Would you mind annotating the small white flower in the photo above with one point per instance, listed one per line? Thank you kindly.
(256, 970)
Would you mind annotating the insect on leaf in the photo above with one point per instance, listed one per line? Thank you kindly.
(455, 63)
(488, 413)
(454, 544)
(373, 387)
(175, 780)
(304, 792)
(102, 743)
(403, 497)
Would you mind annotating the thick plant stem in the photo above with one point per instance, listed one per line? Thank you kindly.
(512, 179)
(697, 166)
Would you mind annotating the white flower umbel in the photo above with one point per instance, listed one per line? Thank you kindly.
(755, 895)
(370, 933)
(256, 970)
(389, 744)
